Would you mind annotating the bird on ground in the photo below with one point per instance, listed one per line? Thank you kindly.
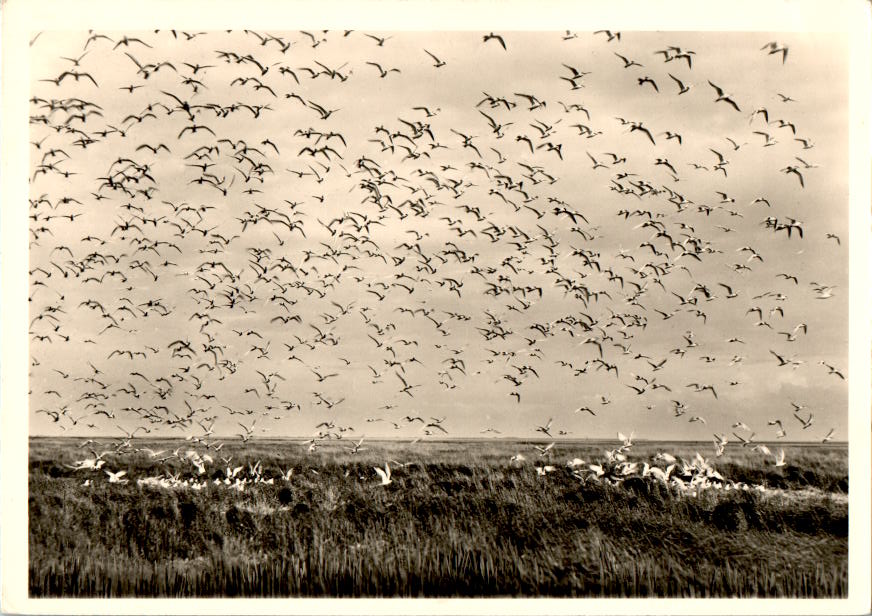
(116, 477)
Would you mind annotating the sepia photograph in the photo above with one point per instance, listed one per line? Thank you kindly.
(438, 312)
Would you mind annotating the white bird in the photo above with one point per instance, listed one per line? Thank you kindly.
(746, 442)
(116, 477)
(629, 468)
(657, 472)
(152, 453)
(626, 440)
(615, 455)
(780, 433)
(91, 464)
(384, 474)
(543, 451)
(779, 459)
(824, 292)
(762, 449)
(720, 441)
(355, 447)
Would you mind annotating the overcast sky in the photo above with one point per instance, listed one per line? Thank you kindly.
(493, 358)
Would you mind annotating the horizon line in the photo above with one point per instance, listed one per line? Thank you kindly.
(439, 440)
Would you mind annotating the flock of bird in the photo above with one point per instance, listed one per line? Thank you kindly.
(687, 477)
(220, 241)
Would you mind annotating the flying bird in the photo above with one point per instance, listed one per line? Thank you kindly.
(385, 474)
(724, 97)
(773, 48)
(494, 37)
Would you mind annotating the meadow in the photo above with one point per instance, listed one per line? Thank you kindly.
(459, 519)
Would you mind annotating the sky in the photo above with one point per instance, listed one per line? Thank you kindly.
(215, 258)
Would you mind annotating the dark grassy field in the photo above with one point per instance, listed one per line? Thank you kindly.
(458, 520)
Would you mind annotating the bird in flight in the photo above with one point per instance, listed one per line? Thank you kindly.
(773, 48)
(385, 474)
(628, 63)
(724, 97)
(494, 37)
(612, 36)
(682, 87)
(382, 72)
(545, 429)
(437, 63)
(794, 170)
(432, 208)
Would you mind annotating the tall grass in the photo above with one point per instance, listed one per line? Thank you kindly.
(449, 525)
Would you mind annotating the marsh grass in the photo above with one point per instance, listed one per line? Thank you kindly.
(458, 521)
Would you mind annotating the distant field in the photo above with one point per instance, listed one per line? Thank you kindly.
(458, 519)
